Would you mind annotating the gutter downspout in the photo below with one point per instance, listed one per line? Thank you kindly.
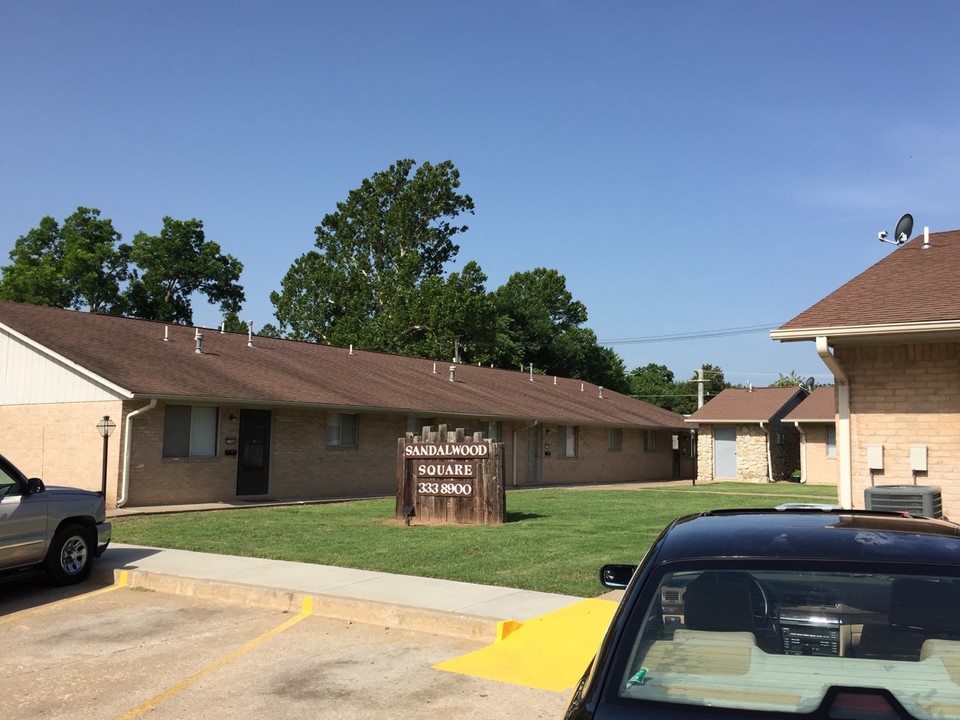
(769, 452)
(515, 431)
(803, 451)
(127, 442)
(844, 450)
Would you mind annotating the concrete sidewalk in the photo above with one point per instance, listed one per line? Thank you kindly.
(482, 612)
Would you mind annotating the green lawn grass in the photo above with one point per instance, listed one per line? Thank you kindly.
(553, 540)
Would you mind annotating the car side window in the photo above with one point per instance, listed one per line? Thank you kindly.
(8, 486)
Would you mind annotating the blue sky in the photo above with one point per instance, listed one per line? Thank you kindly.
(688, 166)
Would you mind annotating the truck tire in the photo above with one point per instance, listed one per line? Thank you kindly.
(70, 557)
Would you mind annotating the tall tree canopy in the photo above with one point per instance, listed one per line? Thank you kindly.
(83, 265)
(174, 265)
(545, 330)
(77, 265)
(372, 256)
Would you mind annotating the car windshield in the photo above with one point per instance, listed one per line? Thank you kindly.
(764, 639)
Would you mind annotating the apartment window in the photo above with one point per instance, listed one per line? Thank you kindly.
(189, 431)
(493, 430)
(614, 440)
(416, 424)
(566, 441)
(342, 429)
(831, 440)
(650, 440)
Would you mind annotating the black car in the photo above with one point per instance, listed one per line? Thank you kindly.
(784, 613)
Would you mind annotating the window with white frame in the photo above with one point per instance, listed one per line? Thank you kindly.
(614, 439)
(831, 440)
(342, 429)
(650, 440)
(189, 431)
(566, 441)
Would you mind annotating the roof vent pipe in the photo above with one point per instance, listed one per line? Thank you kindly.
(434, 368)
(223, 327)
(453, 373)
(581, 387)
(926, 239)
(249, 333)
(601, 392)
(166, 333)
(199, 340)
(351, 348)
(749, 387)
(531, 372)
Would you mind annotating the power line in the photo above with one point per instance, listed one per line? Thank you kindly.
(726, 332)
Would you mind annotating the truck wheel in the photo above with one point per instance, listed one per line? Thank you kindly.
(70, 557)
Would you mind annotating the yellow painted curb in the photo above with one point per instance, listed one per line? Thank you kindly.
(505, 627)
(549, 652)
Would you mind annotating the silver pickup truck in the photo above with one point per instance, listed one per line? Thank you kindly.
(57, 529)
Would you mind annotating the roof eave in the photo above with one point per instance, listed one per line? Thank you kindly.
(886, 333)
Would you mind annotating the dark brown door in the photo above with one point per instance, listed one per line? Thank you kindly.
(253, 458)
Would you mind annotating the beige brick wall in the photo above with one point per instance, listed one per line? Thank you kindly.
(60, 443)
(902, 396)
(594, 463)
(819, 468)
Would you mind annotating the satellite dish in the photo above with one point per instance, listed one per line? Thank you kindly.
(810, 382)
(904, 228)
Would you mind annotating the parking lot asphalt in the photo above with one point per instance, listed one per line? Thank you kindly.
(534, 639)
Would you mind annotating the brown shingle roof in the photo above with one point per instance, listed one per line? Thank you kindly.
(911, 285)
(744, 405)
(819, 406)
(133, 355)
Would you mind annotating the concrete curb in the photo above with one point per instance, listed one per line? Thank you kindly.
(370, 612)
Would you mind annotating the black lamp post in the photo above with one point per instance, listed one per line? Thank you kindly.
(105, 427)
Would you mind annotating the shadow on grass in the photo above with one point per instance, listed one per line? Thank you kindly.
(511, 517)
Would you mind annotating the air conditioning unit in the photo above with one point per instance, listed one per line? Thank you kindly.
(921, 500)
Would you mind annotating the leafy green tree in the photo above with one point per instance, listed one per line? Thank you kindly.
(580, 356)
(372, 256)
(654, 384)
(453, 317)
(540, 310)
(545, 331)
(35, 273)
(94, 261)
(791, 380)
(77, 265)
(174, 265)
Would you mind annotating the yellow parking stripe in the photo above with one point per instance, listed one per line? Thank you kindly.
(121, 583)
(305, 611)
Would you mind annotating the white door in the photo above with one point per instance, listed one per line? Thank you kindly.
(724, 451)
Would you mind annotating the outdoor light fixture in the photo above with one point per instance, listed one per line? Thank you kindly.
(408, 512)
(105, 427)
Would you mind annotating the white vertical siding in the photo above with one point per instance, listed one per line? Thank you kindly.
(28, 377)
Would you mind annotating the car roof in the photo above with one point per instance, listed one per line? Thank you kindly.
(812, 534)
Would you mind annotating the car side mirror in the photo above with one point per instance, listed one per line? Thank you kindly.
(616, 577)
(34, 486)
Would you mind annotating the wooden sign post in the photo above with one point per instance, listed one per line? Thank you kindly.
(445, 478)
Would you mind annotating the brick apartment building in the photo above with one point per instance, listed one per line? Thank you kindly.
(891, 338)
(205, 416)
